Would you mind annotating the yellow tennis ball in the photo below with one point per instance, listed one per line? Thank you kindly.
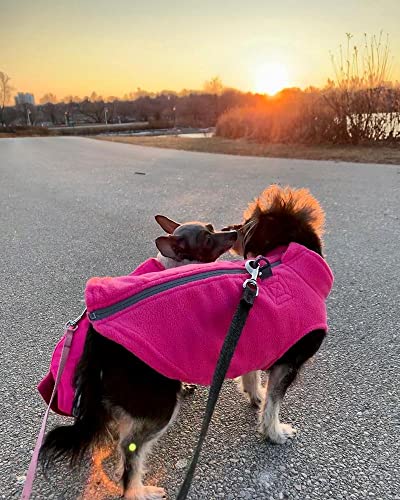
(132, 447)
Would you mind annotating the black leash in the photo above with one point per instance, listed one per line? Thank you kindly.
(250, 292)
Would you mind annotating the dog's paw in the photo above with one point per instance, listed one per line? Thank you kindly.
(145, 493)
(188, 389)
(278, 433)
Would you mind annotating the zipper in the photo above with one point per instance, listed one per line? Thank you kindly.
(153, 290)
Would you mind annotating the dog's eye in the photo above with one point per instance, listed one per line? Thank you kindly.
(208, 240)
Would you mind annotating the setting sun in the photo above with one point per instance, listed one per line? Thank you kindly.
(270, 78)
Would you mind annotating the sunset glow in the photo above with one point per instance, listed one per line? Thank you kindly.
(178, 45)
(271, 78)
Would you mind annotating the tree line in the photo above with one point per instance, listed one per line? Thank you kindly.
(169, 108)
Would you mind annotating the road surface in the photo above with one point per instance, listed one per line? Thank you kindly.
(71, 208)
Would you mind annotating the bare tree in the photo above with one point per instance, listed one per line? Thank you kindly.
(94, 110)
(5, 93)
(214, 86)
(48, 98)
(130, 96)
(71, 98)
(28, 113)
(143, 93)
(52, 113)
(94, 97)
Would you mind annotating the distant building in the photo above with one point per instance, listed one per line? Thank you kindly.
(24, 98)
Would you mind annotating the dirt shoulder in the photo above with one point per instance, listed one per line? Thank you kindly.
(358, 154)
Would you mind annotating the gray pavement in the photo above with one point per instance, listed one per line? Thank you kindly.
(71, 208)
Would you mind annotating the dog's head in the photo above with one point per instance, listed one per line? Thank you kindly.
(193, 241)
(280, 216)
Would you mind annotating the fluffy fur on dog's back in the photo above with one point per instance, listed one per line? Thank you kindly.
(280, 216)
(297, 203)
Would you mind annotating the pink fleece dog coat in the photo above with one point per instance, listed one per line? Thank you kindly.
(176, 320)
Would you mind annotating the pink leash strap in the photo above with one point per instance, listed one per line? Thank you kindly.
(30, 476)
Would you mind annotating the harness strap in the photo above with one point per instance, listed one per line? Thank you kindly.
(70, 328)
(226, 354)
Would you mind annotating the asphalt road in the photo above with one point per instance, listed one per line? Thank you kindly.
(71, 208)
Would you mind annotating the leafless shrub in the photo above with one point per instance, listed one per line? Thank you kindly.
(365, 102)
(359, 105)
(306, 119)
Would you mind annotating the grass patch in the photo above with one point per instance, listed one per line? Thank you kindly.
(359, 154)
(23, 131)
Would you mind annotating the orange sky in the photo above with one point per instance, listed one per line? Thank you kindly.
(76, 47)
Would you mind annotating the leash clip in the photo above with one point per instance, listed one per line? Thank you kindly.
(253, 268)
(71, 325)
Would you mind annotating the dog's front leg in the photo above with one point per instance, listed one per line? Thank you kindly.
(250, 384)
(280, 378)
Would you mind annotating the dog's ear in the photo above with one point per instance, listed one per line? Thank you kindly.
(210, 227)
(169, 246)
(168, 225)
(226, 237)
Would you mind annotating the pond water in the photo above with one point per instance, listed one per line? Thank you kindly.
(197, 135)
(376, 125)
(191, 133)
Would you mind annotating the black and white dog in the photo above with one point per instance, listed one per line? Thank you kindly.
(122, 399)
(277, 217)
(119, 398)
